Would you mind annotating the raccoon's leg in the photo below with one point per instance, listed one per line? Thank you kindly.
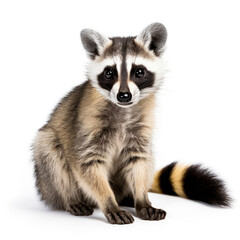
(138, 174)
(92, 178)
(54, 178)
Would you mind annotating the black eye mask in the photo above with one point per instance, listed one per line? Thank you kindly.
(144, 80)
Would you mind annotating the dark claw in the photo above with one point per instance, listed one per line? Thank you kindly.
(80, 209)
(120, 217)
(150, 213)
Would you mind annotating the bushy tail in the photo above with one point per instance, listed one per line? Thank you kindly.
(193, 182)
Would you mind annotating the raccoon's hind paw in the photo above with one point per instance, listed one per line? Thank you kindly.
(151, 213)
(80, 209)
(120, 217)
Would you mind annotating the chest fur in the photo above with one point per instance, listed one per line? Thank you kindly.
(111, 131)
(128, 130)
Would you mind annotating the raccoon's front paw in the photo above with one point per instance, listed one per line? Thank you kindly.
(151, 213)
(80, 209)
(120, 217)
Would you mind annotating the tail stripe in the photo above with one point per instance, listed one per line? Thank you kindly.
(164, 179)
(156, 183)
(176, 179)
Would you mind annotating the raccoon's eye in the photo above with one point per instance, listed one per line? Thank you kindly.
(108, 74)
(140, 73)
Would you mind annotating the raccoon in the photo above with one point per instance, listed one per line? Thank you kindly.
(96, 148)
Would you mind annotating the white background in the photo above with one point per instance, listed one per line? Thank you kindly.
(198, 115)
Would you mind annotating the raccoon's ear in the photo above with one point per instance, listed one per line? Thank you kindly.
(154, 37)
(93, 42)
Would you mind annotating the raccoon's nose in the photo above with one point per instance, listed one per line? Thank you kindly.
(124, 96)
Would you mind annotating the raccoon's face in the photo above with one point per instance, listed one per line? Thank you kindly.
(126, 70)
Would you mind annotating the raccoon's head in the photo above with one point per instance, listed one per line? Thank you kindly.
(126, 70)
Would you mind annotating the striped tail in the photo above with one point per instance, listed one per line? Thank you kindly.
(193, 182)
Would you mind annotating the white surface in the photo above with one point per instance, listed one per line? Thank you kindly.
(198, 117)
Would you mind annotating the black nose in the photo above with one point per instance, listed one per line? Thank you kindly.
(124, 96)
